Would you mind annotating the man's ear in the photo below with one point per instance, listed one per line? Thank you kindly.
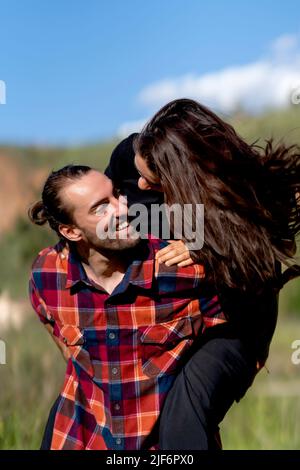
(70, 232)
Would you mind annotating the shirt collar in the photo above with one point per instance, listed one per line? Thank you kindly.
(75, 270)
(139, 272)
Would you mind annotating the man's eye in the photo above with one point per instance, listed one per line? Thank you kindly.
(100, 210)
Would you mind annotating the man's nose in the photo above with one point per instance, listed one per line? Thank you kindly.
(120, 206)
(143, 185)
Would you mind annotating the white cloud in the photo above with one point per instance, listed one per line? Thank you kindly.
(129, 127)
(266, 83)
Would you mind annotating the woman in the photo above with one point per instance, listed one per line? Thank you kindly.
(251, 199)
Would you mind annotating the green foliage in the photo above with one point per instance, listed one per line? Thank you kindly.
(263, 423)
(30, 382)
(290, 298)
(18, 249)
(267, 417)
(279, 124)
(96, 155)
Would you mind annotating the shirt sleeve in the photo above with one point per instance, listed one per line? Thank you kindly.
(39, 305)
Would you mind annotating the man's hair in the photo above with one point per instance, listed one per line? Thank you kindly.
(51, 208)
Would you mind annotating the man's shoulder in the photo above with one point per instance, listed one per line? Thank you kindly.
(175, 277)
(48, 257)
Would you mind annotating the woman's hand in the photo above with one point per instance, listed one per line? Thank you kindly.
(175, 253)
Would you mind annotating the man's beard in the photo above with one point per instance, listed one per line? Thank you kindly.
(117, 236)
(116, 245)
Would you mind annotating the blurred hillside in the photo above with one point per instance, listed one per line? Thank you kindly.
(23, 170)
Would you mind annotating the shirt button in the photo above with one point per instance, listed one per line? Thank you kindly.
(117, 406)
(118, 441)
(111, 335)
(114, 370)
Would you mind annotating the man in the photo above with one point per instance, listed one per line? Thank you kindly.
(125, 323)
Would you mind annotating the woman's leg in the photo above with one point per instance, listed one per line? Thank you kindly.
(217, 374)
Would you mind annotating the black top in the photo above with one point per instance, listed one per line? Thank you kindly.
(122, 171)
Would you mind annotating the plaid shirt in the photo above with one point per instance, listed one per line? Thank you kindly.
(126, 347)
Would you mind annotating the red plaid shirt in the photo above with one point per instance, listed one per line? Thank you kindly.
(126, 347)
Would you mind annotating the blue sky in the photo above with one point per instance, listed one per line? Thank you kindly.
(75, 70)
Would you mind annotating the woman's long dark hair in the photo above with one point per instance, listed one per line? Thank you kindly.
(251, 195)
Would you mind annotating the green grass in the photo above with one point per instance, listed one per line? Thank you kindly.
(263, 423)
(95, 155)
(268, 416)
(30, 381)
(279, 124)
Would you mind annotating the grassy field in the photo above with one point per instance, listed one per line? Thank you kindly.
(267, 418)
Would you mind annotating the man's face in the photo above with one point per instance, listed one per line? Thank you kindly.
(95, 210)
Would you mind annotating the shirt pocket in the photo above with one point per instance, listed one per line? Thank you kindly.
(72, 335)
(74, 339)
(163, 345)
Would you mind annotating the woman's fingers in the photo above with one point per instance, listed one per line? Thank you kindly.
(165, 250)
(187, 262)
(170, 251)
(178, 259)
(174, 253)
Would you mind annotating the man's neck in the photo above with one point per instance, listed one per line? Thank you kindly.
(105, 268)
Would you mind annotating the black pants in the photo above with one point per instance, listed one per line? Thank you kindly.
(218, 372)
(47, 437)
